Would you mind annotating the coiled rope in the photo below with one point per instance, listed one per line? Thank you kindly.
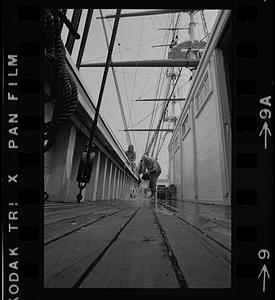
(63, 88)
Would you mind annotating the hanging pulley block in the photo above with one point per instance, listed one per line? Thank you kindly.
(85, 166)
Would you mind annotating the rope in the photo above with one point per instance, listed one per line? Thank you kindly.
(156, 134)
(133, 90)
(104, 78)
(127, 49)
(63, 88)
(144, 118)
(75, 23)
(157, 91)
(129, 109)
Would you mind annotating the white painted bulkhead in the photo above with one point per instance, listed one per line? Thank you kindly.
(171, 165)
(204, 132)
(187, 164)
(208, 154)
(198, 166)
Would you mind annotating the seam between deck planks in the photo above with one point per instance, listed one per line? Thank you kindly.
(205, 234)
(175, 265)
(208, 241)
(79, 228)
(198, 229)
(76, 216)
(175, 209)
(65, 209)
(188, 260)
(96, 261)
(215, 248)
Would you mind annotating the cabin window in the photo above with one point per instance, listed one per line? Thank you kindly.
(185, 126)
(203, 92)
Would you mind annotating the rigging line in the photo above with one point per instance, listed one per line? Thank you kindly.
(196, 47)
(158, 18)
(125, 86)
(166, 133)
(145, 118)
(116, 83)
(138, 54)
(149, 90)
(130, 116)
(163, 139)
(159, 80)
(161, 142)
(151, 72)
(151, 121)
(153, 140)
(147, 80)
(158, 93)
(158, 151)
(129, 109)
(168, 21)
(146, 83)
(135, 140)
(127, 48)
(155, 31)
(162, 85)
(163, 78)
(160, 136)
(208, 21)
(161, 19)
(155, 136)
(165, 108)
(200, 28)
(156, 133)
(150, 125)
(125, 72)
(103, 82)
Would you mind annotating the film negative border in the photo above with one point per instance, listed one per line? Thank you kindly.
(252, 158)
(253, 152)
(22, 213)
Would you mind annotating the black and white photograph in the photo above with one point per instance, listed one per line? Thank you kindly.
(137, 148)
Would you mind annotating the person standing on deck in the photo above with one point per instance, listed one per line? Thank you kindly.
(150, 166)
(131, 154)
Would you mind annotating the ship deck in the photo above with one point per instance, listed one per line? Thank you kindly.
(134, 243)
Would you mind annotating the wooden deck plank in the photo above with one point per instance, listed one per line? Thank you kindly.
(66, 259)
(67, 208)
(56, 206)
(138, 258)
(217, 229)
(52, 231)
(201, 264)
(49, 219)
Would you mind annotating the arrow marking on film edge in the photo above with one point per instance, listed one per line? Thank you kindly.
(265, 272)
(266, 130)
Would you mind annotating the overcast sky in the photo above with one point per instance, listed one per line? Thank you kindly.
(135, 38)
